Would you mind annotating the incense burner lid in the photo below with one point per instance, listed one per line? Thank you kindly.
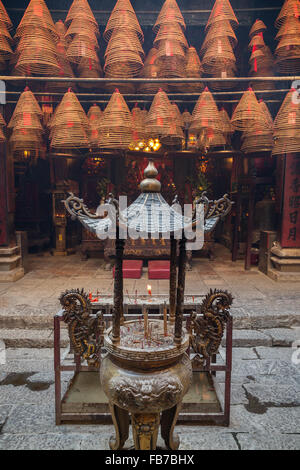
(156, 351)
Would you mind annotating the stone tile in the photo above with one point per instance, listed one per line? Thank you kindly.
(209, 440)
(263, 441)
(284, 354)
(283, 336)
(262, 397)
(248, 338)
(45, 441)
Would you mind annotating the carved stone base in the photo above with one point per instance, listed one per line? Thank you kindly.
(286, 264)
(11, 269)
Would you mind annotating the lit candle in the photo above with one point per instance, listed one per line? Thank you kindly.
(165, 321)
(149, 289)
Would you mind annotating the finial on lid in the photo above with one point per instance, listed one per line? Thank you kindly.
(150, 184)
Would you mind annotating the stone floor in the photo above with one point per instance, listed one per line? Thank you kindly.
(265, 411)
(259, 302)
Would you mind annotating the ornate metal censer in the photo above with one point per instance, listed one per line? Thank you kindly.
(146, 370)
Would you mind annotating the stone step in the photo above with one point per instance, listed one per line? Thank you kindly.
(33, 338)
(25, 338)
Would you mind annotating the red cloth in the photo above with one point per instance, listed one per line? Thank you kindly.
(159, 270)
(132, 269)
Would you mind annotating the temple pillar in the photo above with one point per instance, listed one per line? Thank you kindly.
(285, 253)
(11, 269)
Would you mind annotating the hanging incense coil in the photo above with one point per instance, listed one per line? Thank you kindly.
(287, 54)
(83, 48)
(160, 115)
(139, 130)
(151, 70)
(227, 127)
(219, 52)
(123, 55)
(193, 69)
(175, 135)
(248, 113)
(259, 138)
(177, 115)
(69, 110)
(171, 61)
(290, 9)
(26, 105)
(169, 14)
(94, 117)
(171, 32)
(257, 42)
(222, 10)
(214, 139)
(116, 127)
(206, 113)
(69, 124)
(4, 18)
(123, 17)
(80, 9)
(61, 29)
(258, 27)
(82, 27)
(5, 49)
(187, 119)
(223, 72)
(291, 27)
(288, 116)
(37, 53)
(88, 68)
(261, 59)
(219, 30)
(5, 32)
(26, 140)
(65, 69)
(27, 121)
(36, 15)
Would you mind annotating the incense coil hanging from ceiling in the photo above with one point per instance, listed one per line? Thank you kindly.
(160, 115)
(151, 70)
(83, 48)
(258, 27)
(123, 59)
(227, 127)
(123, 17)
(171, 32)
(206, 114)
(287, 126)
(290, 9)
(78, 10)
(222, 10)
(94, 117)
(175, 135)
(28, 105)
(248, 114)
(259, 138)
(171, 61)
(287, 53)
(36, 15)
(187, 118)
(116, 126)
(4, 17)
(193, 69)
(139, 130)
(88, 68)
(219, 30)
(5, 49)
(169, 14)
(37, 54)
(69, 127)
(82, 27)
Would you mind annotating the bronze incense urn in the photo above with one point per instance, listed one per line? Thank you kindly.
(146, 371)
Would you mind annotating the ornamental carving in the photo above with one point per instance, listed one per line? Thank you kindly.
(86, 329)
(207, 329)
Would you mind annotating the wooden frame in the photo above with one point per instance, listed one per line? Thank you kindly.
(95, 413)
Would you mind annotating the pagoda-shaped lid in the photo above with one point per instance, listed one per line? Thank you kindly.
(149, 215)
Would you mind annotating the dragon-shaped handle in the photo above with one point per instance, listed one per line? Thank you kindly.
(207, 329)
(85, 328)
